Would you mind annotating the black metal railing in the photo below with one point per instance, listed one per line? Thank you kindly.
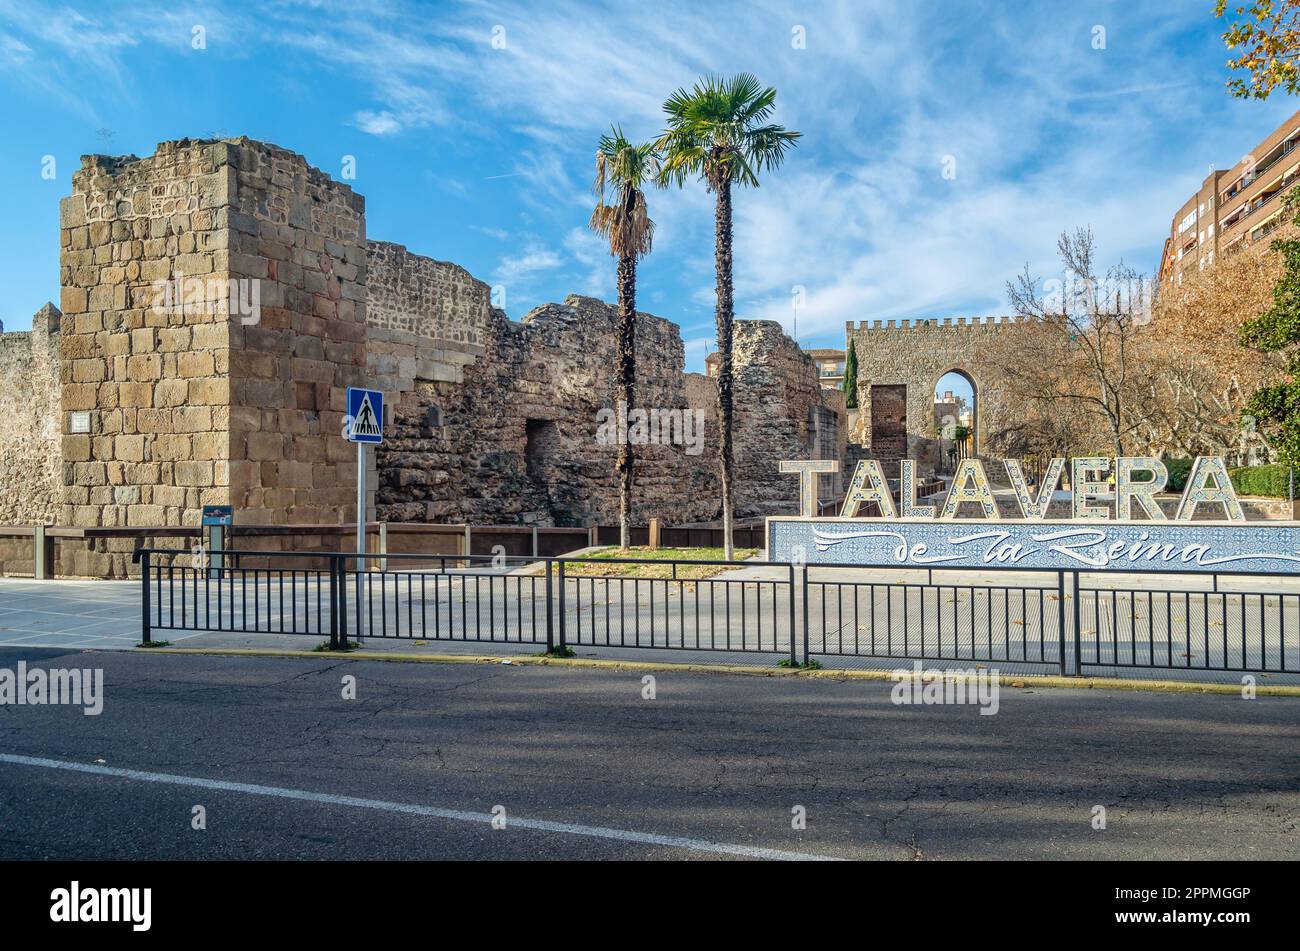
(851, 616)
(1074, 621)
(1066, 621)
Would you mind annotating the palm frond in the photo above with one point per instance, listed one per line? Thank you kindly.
(720, 130)
(621, 217)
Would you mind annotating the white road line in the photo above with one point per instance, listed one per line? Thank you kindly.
(460, 815)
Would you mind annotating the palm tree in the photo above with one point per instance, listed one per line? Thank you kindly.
(621, 218)
(719, 132)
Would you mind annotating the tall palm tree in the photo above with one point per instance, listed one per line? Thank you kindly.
(719, 131)
(622, 169)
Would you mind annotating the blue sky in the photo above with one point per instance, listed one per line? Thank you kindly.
(481, 153)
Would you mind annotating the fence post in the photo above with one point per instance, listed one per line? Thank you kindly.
(341, 571)
(467, 549)
(144, 596)
(41, 553)
(1078, 651)
(383, 545)
(535, 543)
(563, 626)
(550, 612)
(1060, 617)
(334, 604)
(792, 623)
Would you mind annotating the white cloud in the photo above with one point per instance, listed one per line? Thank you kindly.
(517, 269)
(377, 123)
(14, 50)
(1046, 133)
(596, 278)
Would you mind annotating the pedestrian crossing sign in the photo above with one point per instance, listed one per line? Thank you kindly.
(365, 415)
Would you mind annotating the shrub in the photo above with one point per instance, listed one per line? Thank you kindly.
(1268, 481)
(1179, 470)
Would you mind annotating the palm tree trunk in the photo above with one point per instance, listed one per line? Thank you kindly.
(724, 318)
(626, 384)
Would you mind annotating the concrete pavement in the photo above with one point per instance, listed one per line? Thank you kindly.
(858, 620)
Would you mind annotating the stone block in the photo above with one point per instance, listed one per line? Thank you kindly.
(194, 473)
(192, 419)
(213, 391)
(135, 394)
(128, 448)
(265, 446)
(76, 448)
(195, 364)
(72, 300)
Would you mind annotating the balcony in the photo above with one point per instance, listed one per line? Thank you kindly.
(1245, 182)
(1268, 199)
(1267, 230)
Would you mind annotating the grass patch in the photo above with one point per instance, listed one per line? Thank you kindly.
(592, 564)
(795, 665)
(559, 651)
(154, 644)
(324, 647)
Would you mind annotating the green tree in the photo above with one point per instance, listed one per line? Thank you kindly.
(621, 217)
(851, 377)
(719, 131)
(1275, 410)
(1269, 44)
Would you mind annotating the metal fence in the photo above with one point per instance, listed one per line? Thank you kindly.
(1066, 621)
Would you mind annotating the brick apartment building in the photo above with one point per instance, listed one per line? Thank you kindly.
(1233, 209)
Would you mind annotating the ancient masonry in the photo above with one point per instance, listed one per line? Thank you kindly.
(31, 479)
(219, 296)
(190, 404)
(899, 367)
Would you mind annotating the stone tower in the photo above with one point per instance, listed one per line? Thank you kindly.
(214, 312)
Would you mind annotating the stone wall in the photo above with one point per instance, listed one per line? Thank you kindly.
(219, 296)
(781, 412)
(302, 237)
(916, 354)
(213, 298)
(497, 421)
(31, 477)
(155, 384)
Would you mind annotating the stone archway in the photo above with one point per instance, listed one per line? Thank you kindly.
(956, 416)
(916, 354)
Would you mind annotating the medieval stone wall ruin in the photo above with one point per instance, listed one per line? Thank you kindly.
(220, 295)
(782, 412)
(497, 421)
(31, 477)
(191, 404)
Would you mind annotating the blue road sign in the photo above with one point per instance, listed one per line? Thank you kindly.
(217, 515)
(366, 409)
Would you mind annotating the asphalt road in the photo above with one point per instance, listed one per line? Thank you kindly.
(584, 767)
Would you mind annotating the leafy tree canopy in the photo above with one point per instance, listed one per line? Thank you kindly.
(1275, 410)
(1268, 45)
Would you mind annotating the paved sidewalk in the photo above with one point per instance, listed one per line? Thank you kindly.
(104, 615)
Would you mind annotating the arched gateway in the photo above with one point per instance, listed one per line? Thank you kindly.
(900, 366)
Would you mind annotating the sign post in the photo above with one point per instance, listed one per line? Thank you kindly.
(363, 424)
(215, 518)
